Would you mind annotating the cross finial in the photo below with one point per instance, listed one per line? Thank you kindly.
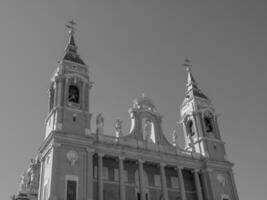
(71, 26)
(187, 64)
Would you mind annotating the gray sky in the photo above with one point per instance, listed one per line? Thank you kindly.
(134, 47)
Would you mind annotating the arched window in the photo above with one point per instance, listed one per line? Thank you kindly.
(73, 94)
(190, 128)
(208, 124)
(51, 98)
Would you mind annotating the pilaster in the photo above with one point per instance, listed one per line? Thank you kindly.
(40, 190)
(181, 183)
(233, 185)
(54, 177)
(100, 176)
(141, 178)
(89, 172)
(121, 180)
(198, 186)
(163, 181)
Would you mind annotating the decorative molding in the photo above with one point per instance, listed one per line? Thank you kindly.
(179, 167)
(209, 170)
(121, 157)
(89, 150)
(141, 161)
(100, 154)
(56, 145)
(196, 170)
(162, 164)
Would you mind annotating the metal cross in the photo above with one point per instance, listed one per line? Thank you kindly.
(71, 25)
(187, 64)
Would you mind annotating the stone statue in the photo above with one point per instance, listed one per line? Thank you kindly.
(118, 128)
(99, 124)
(31, 177)
(147, 130)
(24, 179)
(175, 139)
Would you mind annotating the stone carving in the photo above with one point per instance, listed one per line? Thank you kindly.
(148, 133)
(175, 139)
(221, 179)
(147, 129)
(99, 124)
(24, 179)
(33, 172)
(29, 182)
(118, 128)
(72, 157)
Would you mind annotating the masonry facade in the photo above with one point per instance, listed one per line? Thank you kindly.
(76, 163)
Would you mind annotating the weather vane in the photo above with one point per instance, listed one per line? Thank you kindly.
(187, 64)
(71, 25)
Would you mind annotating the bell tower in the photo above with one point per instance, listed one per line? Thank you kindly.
(199, 121)
(69, 89)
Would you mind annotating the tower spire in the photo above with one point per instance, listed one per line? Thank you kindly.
(71, 26)
(192, 89)
(71, 47)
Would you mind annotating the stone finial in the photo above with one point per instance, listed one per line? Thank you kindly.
(118, 128)
(24, 180)
(99, 124)
(175, 139)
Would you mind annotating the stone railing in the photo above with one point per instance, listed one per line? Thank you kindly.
(131, 142)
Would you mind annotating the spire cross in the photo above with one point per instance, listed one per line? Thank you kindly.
(187, 64)
(71, 26)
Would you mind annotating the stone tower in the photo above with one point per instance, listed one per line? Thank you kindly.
(63, 154)
(199, 121)
(74, 163)
(202, 137)
(69, 94)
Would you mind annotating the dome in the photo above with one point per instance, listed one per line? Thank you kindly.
(143, 102)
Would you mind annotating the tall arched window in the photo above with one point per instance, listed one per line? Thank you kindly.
(208, 122)
(190, 128)
(51, 98)
(73, 94)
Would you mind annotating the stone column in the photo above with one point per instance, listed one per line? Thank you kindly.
(141, 179)
(89, 172)
(233, 185)
(40, 190)
(100, 176)
(163, 181)
(181, 183)
(198, 186)
(121, 178)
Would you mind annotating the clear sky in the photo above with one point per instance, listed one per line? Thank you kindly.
(134, 47)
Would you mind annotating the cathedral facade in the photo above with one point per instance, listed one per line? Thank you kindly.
(76, 163)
